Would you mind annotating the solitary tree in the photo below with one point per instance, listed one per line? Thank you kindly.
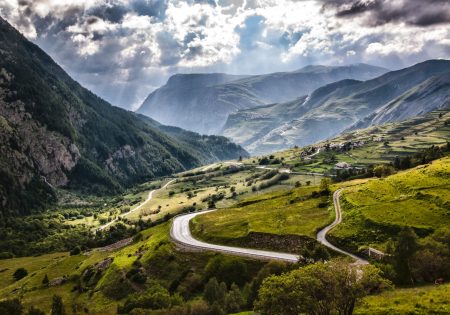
(319, 289)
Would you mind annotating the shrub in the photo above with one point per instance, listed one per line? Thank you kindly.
(75, 251)
(20, 273)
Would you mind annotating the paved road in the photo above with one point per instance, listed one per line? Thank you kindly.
(181, 234)
(321, 236)
(149, 197)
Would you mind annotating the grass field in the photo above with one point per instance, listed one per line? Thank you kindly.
(431, 299)
(376, 210)
(283, 213)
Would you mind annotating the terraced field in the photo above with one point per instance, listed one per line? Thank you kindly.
(375, 145)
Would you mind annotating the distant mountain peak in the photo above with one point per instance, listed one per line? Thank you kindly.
(203, 102)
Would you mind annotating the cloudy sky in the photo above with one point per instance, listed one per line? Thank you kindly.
(122, 50)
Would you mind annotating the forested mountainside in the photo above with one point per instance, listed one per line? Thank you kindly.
(55, 133)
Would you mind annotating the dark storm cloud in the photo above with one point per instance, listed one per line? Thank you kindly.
(413, 12)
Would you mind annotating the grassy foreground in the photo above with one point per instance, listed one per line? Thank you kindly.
(431, 299)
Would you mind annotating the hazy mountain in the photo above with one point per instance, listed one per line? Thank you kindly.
(55, 133)
(432, 94)
(203, 102)
(394, 96)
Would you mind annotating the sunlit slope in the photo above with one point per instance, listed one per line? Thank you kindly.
(376, 211)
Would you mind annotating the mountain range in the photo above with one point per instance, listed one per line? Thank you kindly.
(55, 133)
(345, 104)
(203, 102)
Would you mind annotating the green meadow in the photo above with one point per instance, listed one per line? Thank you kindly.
(375, 211)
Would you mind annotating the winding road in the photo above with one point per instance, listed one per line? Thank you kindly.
(149, 197)
(181, 234)
(321, 236)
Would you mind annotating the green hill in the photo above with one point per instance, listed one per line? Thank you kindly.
(375, 212)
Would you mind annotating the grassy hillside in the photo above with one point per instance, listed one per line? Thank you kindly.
(280, 217)
(101, 290)
(266, 220)
(429, 299)
(374, 212)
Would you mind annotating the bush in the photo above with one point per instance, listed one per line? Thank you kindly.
(6, 255)
(75, 251)
(383, 170)
(20, 273)
(156, 297)
(274, 180)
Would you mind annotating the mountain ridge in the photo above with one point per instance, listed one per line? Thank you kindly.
(344, 104)
(204, 106)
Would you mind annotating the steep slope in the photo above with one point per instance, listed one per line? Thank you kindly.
(202, 102)
(286, 86)
(55, 133)
(198, 102)
(250, 125)
(333, 108)
(432, 94)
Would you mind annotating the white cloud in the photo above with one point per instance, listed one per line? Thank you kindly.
(121, 50)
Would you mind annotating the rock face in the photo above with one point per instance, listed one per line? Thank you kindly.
(333, 108)
(203, 102)
(55, 133)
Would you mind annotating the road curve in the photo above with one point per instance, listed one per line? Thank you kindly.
(149, 197)
(181, 234)
(321, 236)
